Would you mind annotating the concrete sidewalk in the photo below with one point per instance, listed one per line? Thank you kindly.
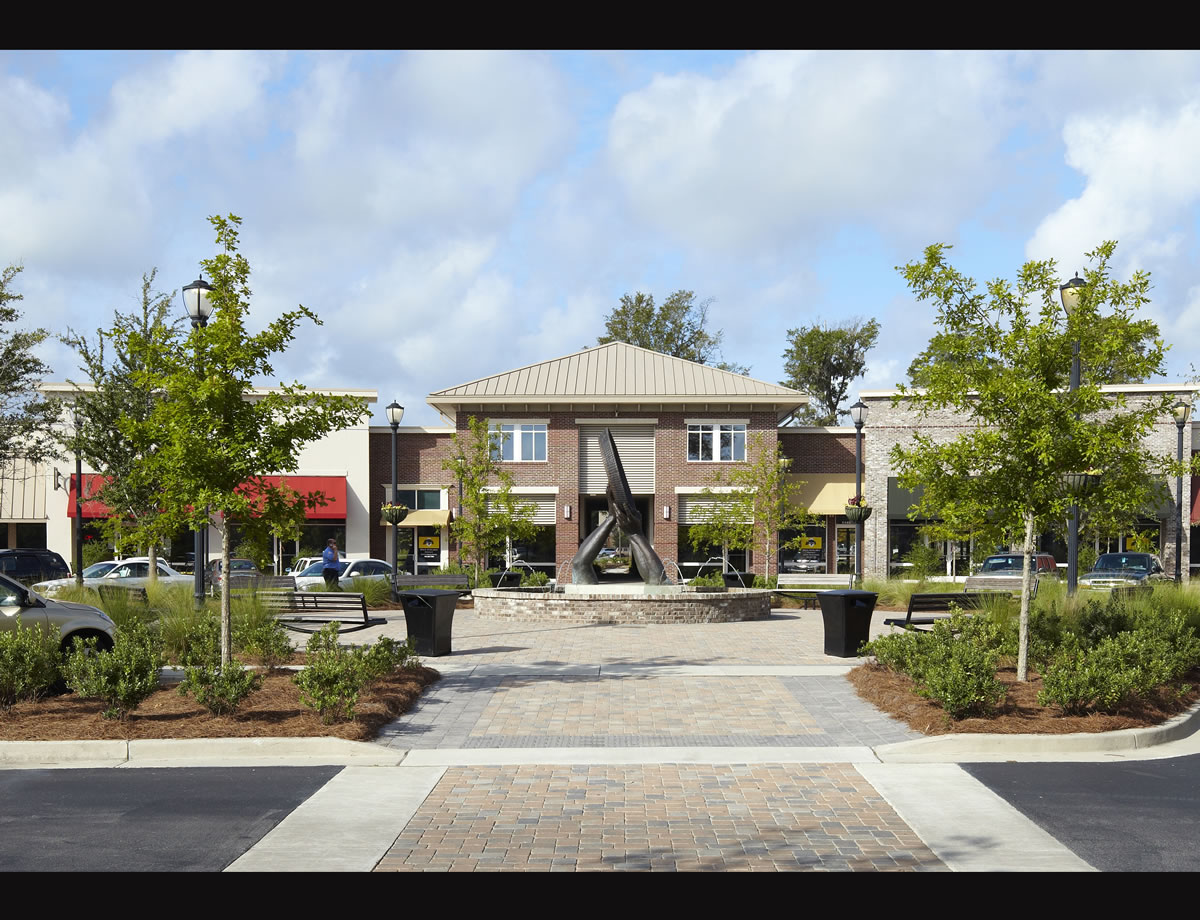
(712, 746)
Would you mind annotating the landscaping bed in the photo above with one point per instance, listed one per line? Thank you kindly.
(273, 711)
(1018, 713)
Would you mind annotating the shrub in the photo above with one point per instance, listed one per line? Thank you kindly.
(958, 669)
(761, 582)
(123, 677)
(1119, 669)
(899, 652)
(331, 681)
(711, 580)
(926, 562)
(335, 674)
(201, 641)
(535, 579)
(30, 663)
(266, 641)
(219, 690)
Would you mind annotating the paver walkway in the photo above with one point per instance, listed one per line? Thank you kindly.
(736, 746)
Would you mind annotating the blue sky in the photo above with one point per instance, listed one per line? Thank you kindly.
(452, 215)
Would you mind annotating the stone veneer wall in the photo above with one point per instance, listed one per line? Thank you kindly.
(734, 605)
(888, 425)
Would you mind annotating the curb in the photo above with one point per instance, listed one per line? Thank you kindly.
(197, 752)
(1001, 747)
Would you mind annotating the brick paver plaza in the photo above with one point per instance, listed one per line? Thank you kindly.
(517, 686)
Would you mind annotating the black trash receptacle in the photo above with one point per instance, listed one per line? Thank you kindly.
(429, 617)
(738, 579)
(847, 616)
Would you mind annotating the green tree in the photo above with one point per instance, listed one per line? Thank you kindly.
(26, 416)
(217, 438)
(111, 431)
(822, 361)
(1001, 361)
(750, 504)
(492, 515)
(675, 328)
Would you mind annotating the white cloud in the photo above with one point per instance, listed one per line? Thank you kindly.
(789, 144)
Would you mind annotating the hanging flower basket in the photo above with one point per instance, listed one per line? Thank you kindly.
(1080, 484)
(858, 513)
(393, 514)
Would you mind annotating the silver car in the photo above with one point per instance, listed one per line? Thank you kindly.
(129, 573)
(25, 605)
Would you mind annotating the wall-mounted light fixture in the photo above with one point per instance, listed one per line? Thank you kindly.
(566, 512)
(666, 512)
(60, 481)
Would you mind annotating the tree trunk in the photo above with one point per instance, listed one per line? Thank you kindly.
(152, 552)
(226, 614)
(1026, 583)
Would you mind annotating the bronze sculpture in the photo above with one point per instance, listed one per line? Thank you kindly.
(622, 512)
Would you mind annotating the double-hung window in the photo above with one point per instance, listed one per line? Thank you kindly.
(716, 441)
(518, 442)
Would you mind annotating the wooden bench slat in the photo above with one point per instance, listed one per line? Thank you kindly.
(299, 608)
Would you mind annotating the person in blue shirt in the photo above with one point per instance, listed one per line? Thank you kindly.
(329, 559)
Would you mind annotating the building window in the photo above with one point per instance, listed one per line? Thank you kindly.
(517, 442)
(419, 499)
(717, 442)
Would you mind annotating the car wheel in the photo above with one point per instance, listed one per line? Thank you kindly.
(104, 642)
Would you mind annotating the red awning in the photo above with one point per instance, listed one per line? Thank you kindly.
(93, 483)
(332, 487)
(1195, 509)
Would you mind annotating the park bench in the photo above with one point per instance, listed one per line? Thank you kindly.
(461, 583)
(926, 604)
(308, 611)
(789, 585)
(128, 592)
(999, 584)
(250, 585)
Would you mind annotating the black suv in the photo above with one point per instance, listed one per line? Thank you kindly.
(32, 565)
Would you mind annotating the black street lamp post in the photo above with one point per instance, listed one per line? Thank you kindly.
(78, 504)
(858, 412)
(199, 309)
(1070, 293)
(1182, 412)
(395, 412)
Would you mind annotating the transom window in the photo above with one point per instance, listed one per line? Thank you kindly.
(717, 442)
(518, 442)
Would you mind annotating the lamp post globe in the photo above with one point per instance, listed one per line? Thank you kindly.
(196, 301)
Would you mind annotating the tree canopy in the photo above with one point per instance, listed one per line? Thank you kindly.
(217, 439)
(492, 514)
(1000, 361)
(823, 361)
(120, 392)
(751, 502)
(677, 327)
(26, 416)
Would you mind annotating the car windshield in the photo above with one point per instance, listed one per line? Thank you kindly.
(99, 569)
(317, 567)
(1002, 562)
(1123, 562)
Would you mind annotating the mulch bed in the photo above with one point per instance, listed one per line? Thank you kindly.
(274, 711)
(1018, 713)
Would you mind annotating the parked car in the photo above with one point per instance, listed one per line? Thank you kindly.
(28, 607)
(129, 573)
(301, 563)
(1122, 570)
(212, 571)
(1014, 564)
(32, 565)
(374, 569)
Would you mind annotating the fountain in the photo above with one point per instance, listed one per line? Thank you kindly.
(656, 600)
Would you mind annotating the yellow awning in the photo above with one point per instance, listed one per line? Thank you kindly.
(426, 517)
(824, 493)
